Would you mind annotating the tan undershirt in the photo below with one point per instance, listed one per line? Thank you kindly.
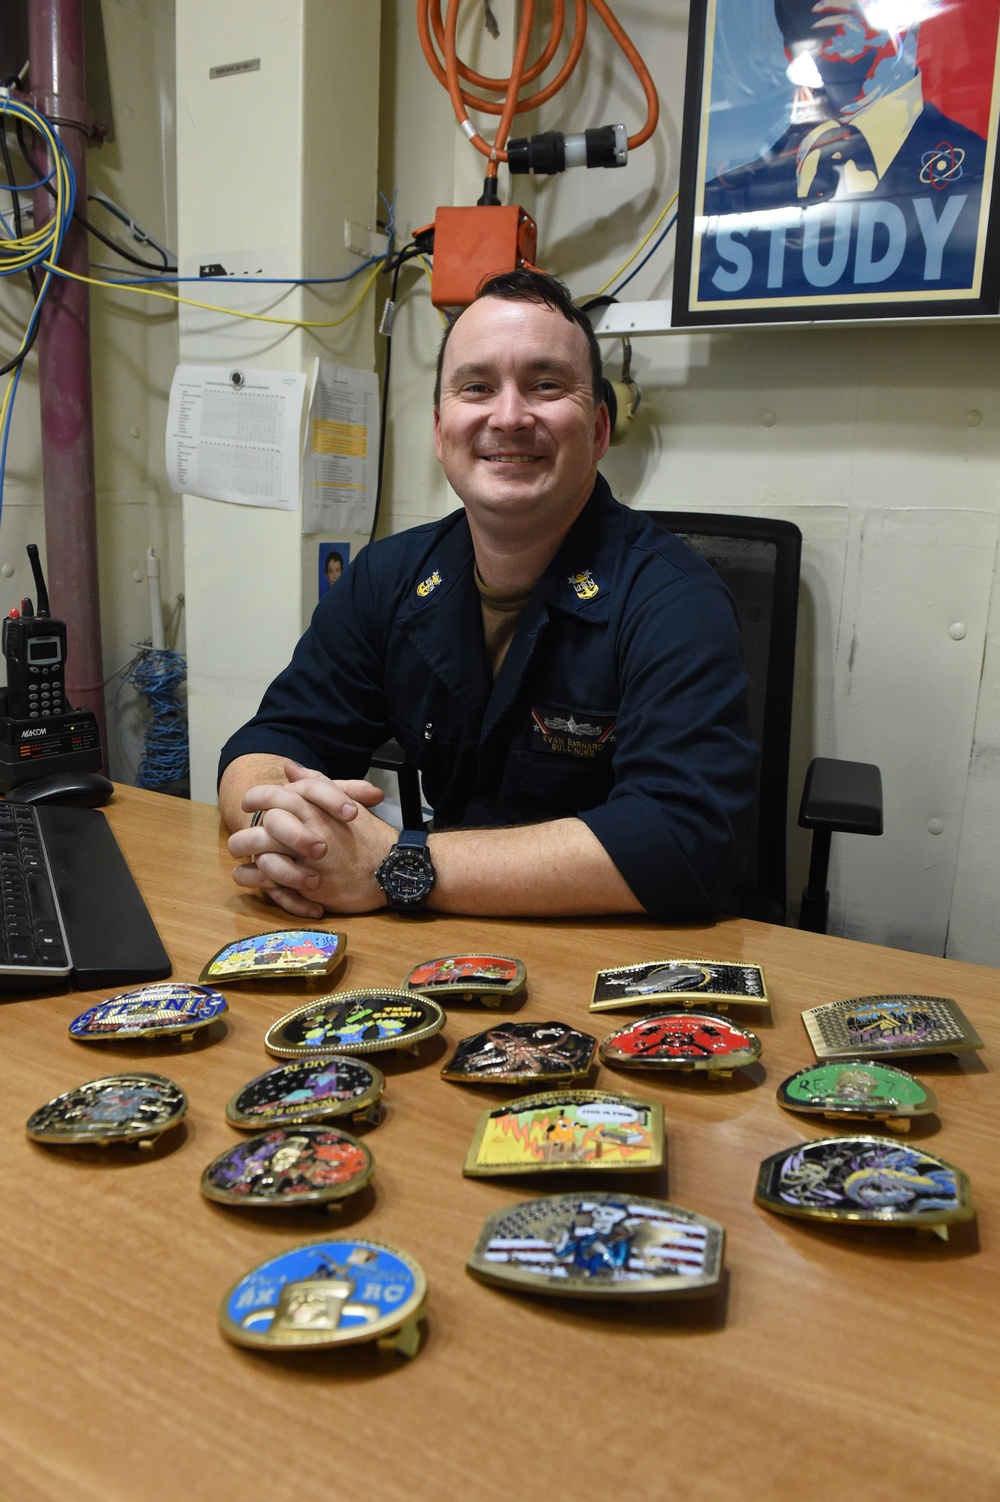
(501, 611)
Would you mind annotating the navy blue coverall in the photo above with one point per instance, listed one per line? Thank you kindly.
(621, 699)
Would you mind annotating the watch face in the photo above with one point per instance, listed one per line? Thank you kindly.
(409, 874)
(406, 876)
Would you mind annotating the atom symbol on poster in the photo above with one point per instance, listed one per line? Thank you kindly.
(942, 166)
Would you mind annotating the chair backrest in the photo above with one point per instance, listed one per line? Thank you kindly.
(758, 558)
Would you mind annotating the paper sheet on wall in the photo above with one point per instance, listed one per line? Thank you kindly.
(341, 465)
(234, 434)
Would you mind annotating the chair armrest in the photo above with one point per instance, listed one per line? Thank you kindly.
(389, 757)
(842, 795)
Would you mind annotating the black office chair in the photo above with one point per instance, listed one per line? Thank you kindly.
(758, 559)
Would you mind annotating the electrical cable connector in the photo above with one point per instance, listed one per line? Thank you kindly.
(552, 151)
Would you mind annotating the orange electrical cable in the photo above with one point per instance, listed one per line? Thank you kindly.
(481, 80)
(432, 30)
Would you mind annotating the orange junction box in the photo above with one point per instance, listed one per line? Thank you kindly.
(471, 244)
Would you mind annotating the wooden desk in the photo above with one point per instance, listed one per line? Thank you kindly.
(833, 1364)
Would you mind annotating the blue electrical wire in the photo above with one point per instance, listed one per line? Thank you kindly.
(158, 674)
(652, 250)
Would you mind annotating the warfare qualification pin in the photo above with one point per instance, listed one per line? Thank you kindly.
(518, 1053)
(856, 1090)
(691, 983)
(356, 1022)
(873, 1026)
(133, 1108)
(283, 954)
(309, 1090)
(682, 1040)
(567, 1129)
(165, 1010)
(469, 977)
(336, 1292)
(306, 1165)
(865, 1181)
(599, 1246)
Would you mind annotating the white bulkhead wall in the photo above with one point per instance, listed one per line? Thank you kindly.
(270, 163)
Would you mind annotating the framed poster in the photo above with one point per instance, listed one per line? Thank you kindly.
(838, 161)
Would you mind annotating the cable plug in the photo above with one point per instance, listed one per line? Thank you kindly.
(551, 152)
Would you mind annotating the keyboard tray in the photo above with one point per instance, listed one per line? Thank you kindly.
(112, 938)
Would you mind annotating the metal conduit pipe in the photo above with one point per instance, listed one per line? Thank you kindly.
(55, 51)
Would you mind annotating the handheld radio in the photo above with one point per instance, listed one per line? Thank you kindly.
(40, 734)
(34, 646)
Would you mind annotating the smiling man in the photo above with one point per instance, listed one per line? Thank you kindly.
(565, 674)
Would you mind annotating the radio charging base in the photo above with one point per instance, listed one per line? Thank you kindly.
(33, 748)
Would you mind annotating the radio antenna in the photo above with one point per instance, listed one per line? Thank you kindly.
(36, 569)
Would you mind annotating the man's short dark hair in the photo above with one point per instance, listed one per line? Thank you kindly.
(538, 287)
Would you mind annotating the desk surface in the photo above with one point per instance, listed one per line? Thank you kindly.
(832, 1361)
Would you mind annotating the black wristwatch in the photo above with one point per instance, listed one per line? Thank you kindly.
(406, 876)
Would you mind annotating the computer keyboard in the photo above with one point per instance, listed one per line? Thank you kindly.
(69, 906)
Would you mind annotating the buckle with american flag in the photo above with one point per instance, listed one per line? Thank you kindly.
(600, 1245)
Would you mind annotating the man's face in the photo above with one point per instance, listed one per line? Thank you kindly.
(518, 432)
(845, 47)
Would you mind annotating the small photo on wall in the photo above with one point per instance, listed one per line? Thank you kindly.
(333, 560)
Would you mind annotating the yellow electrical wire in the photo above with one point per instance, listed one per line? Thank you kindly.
(190, 302)
(21, 253)
(638, 251)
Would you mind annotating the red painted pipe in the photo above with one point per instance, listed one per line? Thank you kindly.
(55, 50)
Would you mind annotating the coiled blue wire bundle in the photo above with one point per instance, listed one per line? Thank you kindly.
(158, 675)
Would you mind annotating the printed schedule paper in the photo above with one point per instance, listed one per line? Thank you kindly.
(341, 466)
(233, 434)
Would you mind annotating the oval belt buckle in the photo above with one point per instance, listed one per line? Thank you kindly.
(134, 1108)
(290, 1166)
(356, 1022)
(682, 1041)
(857, 1090)
(865, 1181)
(169, 1009)
(341, 1291)
(310, 1090)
